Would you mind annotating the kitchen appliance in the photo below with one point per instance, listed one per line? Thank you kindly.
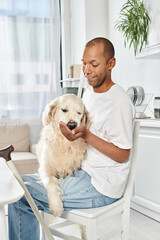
(136, 94)
(70, 85)
(140, 99)
(157, 107)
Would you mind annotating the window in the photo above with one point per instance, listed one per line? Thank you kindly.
(29, 56)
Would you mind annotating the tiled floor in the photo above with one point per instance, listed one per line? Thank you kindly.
(141, 228)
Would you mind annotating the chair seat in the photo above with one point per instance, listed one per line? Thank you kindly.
(93, 212)
(90, 218)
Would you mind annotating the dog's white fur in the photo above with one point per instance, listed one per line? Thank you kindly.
(59, 157)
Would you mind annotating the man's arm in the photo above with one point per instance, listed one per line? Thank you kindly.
(109, 149)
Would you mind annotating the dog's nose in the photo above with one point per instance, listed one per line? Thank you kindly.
(71, 125)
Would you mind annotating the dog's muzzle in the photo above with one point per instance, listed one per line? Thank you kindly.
(71, 125)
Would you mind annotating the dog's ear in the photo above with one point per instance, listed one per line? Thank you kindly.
(49, 112)
(86, 118)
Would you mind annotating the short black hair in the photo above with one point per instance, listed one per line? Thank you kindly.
(108, 46)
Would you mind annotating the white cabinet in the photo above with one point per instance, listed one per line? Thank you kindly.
(146, 193)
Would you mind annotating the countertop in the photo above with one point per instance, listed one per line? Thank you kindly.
(149, 122)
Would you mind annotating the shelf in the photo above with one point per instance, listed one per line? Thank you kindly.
(152, 52)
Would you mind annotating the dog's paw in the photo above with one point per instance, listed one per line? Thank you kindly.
(56, 207)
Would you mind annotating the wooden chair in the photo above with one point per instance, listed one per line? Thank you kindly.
(91, 218)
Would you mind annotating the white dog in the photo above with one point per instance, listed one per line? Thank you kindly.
(59, 157)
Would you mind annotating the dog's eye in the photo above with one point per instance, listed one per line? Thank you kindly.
(79, 113)
(64, 110)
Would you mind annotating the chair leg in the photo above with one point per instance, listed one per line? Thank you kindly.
(82, 229)
(45, 217)
(91, 230)
(126, 224)
(3, 223)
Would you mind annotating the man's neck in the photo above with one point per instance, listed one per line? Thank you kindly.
(104, 87)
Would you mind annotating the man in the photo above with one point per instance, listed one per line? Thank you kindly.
(105, 168)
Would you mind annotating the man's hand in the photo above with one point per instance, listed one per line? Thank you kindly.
(74, 134)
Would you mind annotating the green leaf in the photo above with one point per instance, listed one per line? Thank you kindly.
(134, 23)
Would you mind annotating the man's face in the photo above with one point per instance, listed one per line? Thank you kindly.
(95, 66)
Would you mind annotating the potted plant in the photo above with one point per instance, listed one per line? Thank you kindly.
(134, 24)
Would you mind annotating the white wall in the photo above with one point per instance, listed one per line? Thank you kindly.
(78, 37)
(88, 20)
(96, 18)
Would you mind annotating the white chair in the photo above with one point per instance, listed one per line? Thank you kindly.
(91, 218)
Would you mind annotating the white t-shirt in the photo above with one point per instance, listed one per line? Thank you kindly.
(112, 116)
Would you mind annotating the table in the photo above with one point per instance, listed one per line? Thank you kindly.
(10, 191)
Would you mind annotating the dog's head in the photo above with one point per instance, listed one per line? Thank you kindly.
(67, 108)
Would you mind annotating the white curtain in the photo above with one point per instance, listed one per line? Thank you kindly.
(29, 56)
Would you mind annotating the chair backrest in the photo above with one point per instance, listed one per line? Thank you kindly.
(133, 158)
